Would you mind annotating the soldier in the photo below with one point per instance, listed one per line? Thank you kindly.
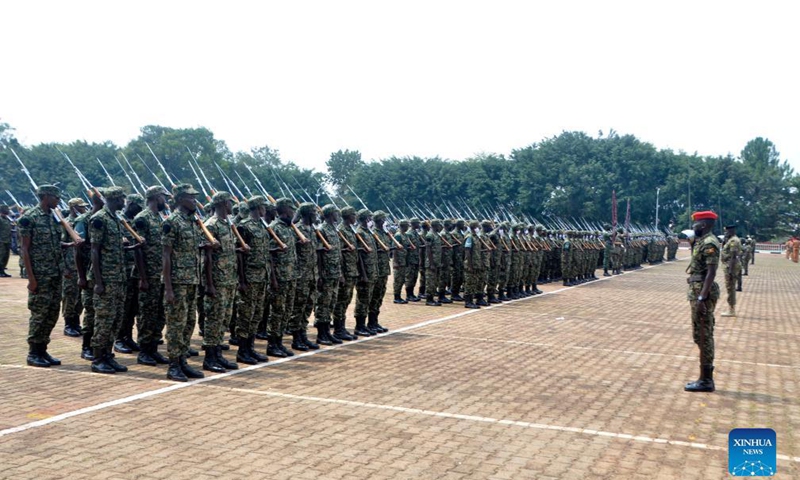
(413, 259)
(329, 265)
(731, 266)
(425, 227)
(150, 322)
(447, 260)
(71, 305)
(501, 240)
(457, 278)
(250, 298)
(181, 241)
(473, 266)
(261, 332)
(400, 261)
(125, 342)
(383, 246)
(433, 263)
(284, 261)
(352, 270)
(44, 263)
(747, 256)
(365, 287)
(5, 241)
(703, 295)
(83, 264)
(609, 236)
(566, 260)
(109, 277)
(307, 276)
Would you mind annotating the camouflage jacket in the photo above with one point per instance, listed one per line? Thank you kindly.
(223, 260)
(383, 255)
(400, 257)
(331, 259)
(412, 258)
(706, 252)
(349, 258)
(105, 230)
(474, 250)
(370, 259)
(85, 250)
(148, 225)
(69, 253)
(181, 232)
(257, 262)
(46, 256)
(307, 253)
(434, 242)
(285, 261)
(5, 229)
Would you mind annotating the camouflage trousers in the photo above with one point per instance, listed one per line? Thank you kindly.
(281, 308)
(412, 271)
(304, 297)
(181, 317)
(504, 273)
(249, 309)
(108, 311)
(444, 275)
(607, 253)
(731, 279)
(150, 322)
(378, 292)
(433, 280)
(458, 273)
(130, 308)
(491, 280)
(71, 305)
(5, 254)
(44, 306)
(473, 281)
(87, 299)
(398, 279)
(326, 301)
(343, 298)
(364, 292)
(218, 313)
(703, 325)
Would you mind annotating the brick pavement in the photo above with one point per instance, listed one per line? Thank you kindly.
(585, 382)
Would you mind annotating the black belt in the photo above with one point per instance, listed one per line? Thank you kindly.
(697, 277)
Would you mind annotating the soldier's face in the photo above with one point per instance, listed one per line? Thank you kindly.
(80, 210)
(415, 225)
(51, 201)
(379, 223)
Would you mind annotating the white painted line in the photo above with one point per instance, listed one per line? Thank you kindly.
(595, 349)
(178, 386)
(474, 418)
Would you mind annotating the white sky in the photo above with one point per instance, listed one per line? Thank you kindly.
(404, 78)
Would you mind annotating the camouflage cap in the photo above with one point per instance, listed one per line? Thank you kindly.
(48, 190)
(474, 224)
(284, 202)
(487, 223)
(403, 223)
(113, 193)
(539, 227)
(348, 211)
(235, 208)
(329, 210)
(414, 220)
(135, 199)
(77, 202)
(379, 215)
(270, 207)
(460, 223)
(256, 201)
(184, 189)
(306, 208)
(364, 214)
(448, 222)
(155, 191)
(221, 197)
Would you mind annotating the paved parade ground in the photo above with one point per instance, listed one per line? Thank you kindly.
(582, 382)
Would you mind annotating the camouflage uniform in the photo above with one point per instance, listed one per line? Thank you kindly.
(433, 264)
(400, 262)
(349, 270)
(131, 303)
(365, 290)
(219, 308)
(457, 278)
(5, 242)
(473, 277)
(306, 286)
(71, 305)
(413, 260)
(150, 322)
(706, 252)
(566, 260)
(331, 264)
(84, 251)
(257, 268)
(382, 271)
(732, 247)
(105, 232)
(285, 262)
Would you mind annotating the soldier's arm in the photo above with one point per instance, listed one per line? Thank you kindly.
(166, 271)
(99, 285)
(209, 265)
(33, 285)
(138, 259)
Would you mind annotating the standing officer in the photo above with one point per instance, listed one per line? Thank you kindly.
(284, 261)
(473, 266)
(731, 266)
(44, 263)
(703, 295)
(433, 265)
(329, 264)
(71, 305)
(305, 291)
(383, 246)
(5, 240)
(400, 262)
(125, 342)
(457, 278)
(83, 264)
(367, 252)
(414, 259)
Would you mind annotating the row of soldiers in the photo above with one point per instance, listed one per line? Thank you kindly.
(262, 270)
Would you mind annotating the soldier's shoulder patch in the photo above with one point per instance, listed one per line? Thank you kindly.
(25, 221)
(166, 228)
(97, 223)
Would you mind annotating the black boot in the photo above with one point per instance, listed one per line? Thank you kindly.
(190, 371)
(175, 372)
(398, 299)
(132, 344)
(443, 297)
(234, 340)
(160, 359)
(361, 327)
(121, 347)
(273, 349)
(297, 342)
(192, 352)
(144, 357)
(113, 362)
(35, 358)
(86, 347)
(410, 297)
(332, 337)
(287, 351)
(308, 343)
(455, 296)
(493, 299)
(372, 324)
(226, 364)
(468, 303)
(706, 381)
(254, 352)
(100, 363)
(480, 301)
(210, 362)
(323, 335)
(245, 352)
(340, 332)
(380, 327)
(48, 358)
(72, 327)
(536, 290)
(431, 302)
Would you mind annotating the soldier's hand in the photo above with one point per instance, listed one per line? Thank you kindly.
(169, 296)
(82, 283)
(702, 308)
(211, 292)
(33, 286)
(319, 284)
(341, 280)
(242, 287)
(143, 285)
(99, 288)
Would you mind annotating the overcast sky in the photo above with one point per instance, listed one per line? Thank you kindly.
(404, 78)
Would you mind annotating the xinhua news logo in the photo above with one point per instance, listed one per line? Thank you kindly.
(752, 452)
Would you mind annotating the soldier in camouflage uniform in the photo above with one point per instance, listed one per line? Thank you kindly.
(181, 240)
(222, 275)
(425, 227)
(125, 342)
(703, 294)
(250, 298)
(365, 287)
(329, 264)
(352, 270)
(447, 260)
(400, 261)
(6, 226)
(44, 263)
(457, 278)
(307, 275)
(473, 266)
(732, 266)
(500, 239)
(383, 246)
(109, 276)
(414, 259)
(150, 322)
(433, 264)
(83, 264)
(284, 261)
(566, 260)
(71, 305)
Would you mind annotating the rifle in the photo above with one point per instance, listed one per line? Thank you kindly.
(141, 184)
(106, 171)
(56, 214)
(133, 185)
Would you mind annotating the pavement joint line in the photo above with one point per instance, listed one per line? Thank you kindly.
(87, 373)
(480, 419)
(179, 386)
(610, 350)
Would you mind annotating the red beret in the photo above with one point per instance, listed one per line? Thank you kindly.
(706, 215)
